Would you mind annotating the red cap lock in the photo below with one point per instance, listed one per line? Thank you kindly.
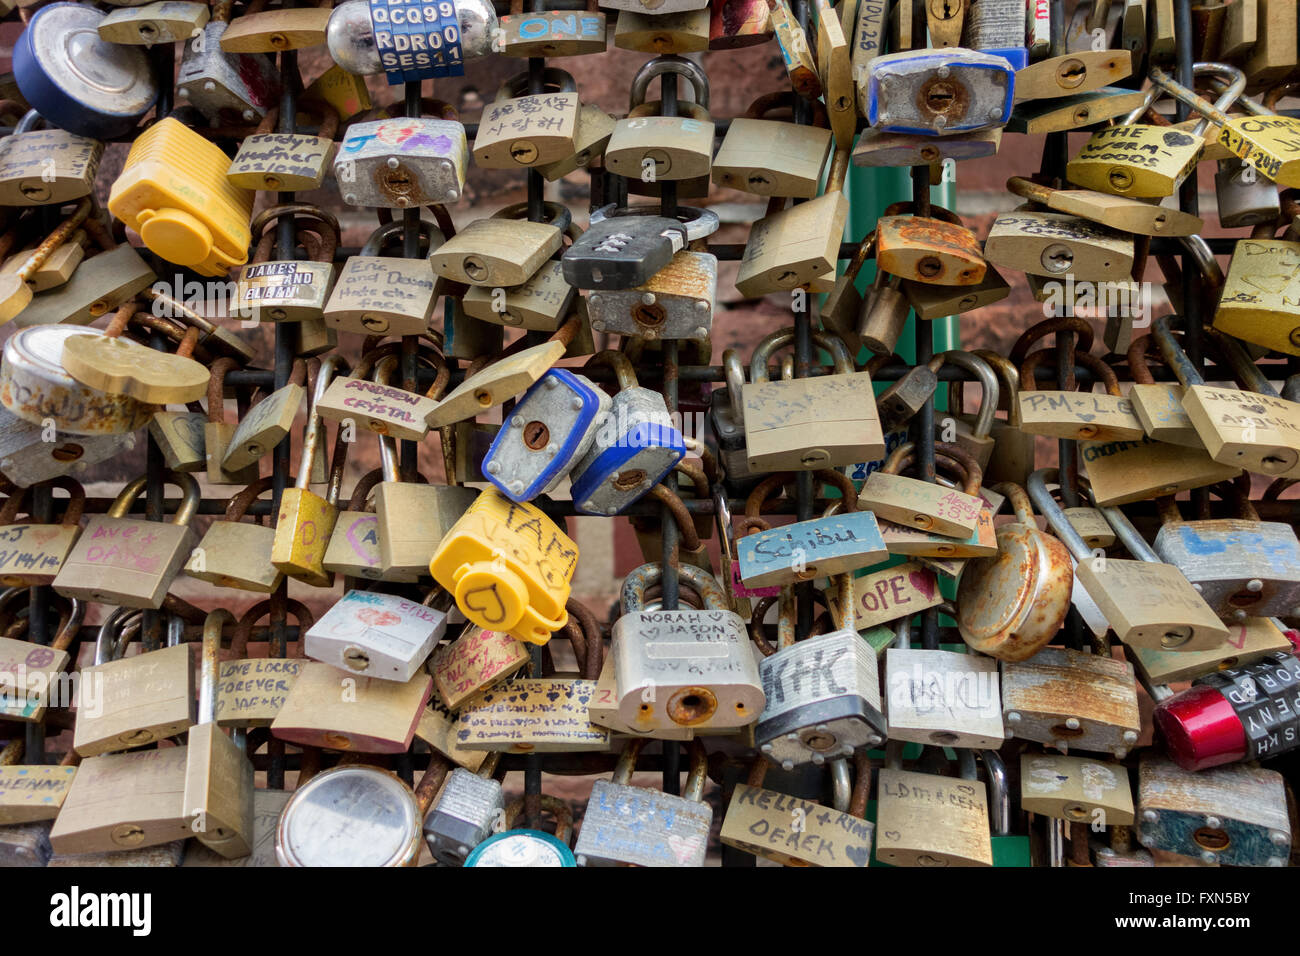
(1201, 729)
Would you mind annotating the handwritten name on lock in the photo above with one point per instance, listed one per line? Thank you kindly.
(393, 285)
(382, 401)
(532, 713)
(35, 785)
(129, 545)
(23, 547)
(1246, 409)
(477, 658)
(553, 113)
(30, 153)
(1137, 146)
(70, 406)
(775, 407)
(385, 622)
(1084, 406)
(398, 136)
(871, 16)
(523, 536)
(283, 153)
(644, 823)
(808, 548)
(823, 836)
(257, 685)
(676, 641)
(887, 595)
(943, 792)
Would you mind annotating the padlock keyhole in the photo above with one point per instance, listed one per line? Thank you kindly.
(69, 451)
(1064, 732)
(940, 96)
(1212, 838)
(536, 435)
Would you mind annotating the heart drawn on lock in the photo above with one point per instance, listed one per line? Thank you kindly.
(858, 854)
(923, 581)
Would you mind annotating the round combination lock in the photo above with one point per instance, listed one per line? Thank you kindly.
(521, 848)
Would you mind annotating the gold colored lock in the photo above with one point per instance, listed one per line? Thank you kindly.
(275, 31)
(180, 436)
(509, 567)
(1257, 304)
(517, 131)
(253, 689)
(502, 251)
(655, 148)
(937, 248)
(166, 21)
(29, 699)
(552, 33)
(32, 553)
(233, 554)
(685, 31)
(287, 162)
(1103, 417)
(773, 157)
(46, 167)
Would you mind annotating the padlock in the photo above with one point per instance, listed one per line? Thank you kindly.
(632, 449)
(180, 437)
(785, 422)
(57, 269)
(1054, 244)
(683, 668)
(354, 38)
(943, 698)
(253, 689)
(269, 160)
(1142, 161)
(412, 519)
(66, 83)
(843, 303)
(973, 435)
(509, 566)
(174, 193)
(403, 162)
(1254, 304)
(217, 432)
(46, 167)
(1083, 415)
(116, 364)
(922, 504)
(378, 635)
(986, 26)
(676, 302)
(1013, 458)
(1076, 789)
(356, 815)
(233, 554)
(226, 86)
(1090, 524)
(659, 33)
(491, 380)
(505, 250)
(165, 21)
(354, 544)
(1159, 405)
(1243, 712)
(1117, 212)
(512, 718)
(376, 405)
(34, 672)
(274, 31)
(1124, 471)
(124, 801)
(936, 92)
(1236, 816)
(1243, 195)
(306, 520)
(727, 419)
(30, 793)
(551, 33)
(380, 716)
(835, 70)
(791, 247)
(474, 662)
(1066, 698)
(796, 52)
(798, 832)
(218, 774)
(469, 808)
(32, 553)
(1239, 565)
(904, 397)
(772, 157)
(546, 434)
(1013, 603)
(1073, 112)
(98, 286)
(266, 423)
(531, 848)
(937, 248)
(1250, 429)
(540, 304)
(127, 561)
(590, 138)
(141, 699)
(954, 471)
(625, 247)
(735, 24)
(518, 130)
(928, 820)
(385, 295)
(267, 807)
(1146, 602)
(633, 825)
(1248, 642)
(1076, 72)
(877, 147)
(655, 148)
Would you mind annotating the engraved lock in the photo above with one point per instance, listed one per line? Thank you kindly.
(287, 162)
(683, 668)
(786, 428)
(165, 21)
(226, 87)
(218, 773)
(1146, 602)
(253, 688)
(31, 553)
(655, 148)
(676, 302)
(1012, 603)
(180, 436)
(378, 635)
(354, 815)
(28, 700)
(914, 827)
(469, 809)
(144, 699)
(772, 157)
(935, 93)
(988, 27)
(174, 193)
(552, 33)
(1120, 213)
(631, 451)
(518, 130)
(1053, 244)
(40, 167)
(403, 162)
(1248, 429)
(128, 561)
(384, 295)
(506, 250)
(234, 554)
(1240, 565)
(509, 566)
(625, 824)
(1235, 816)
(60, 65)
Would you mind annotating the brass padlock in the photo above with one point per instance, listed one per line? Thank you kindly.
(1076, 789)
(773, 157)
(274, 31)
(686, 31)
(1073, 73)
(1053, 244)
(253, 689)
(32, 553)
(922, 504)
(98, 286)
(180, 436)
(287, 162)
(233, 554)
(973, 434)
(655, 148)
(491, 381)
(785, 424)
(924, 819)
(1118, 212)
(385, 295)
(412, 519)
(141, 699)
(506, 250)
(518, 130)
(268, 422)
(552, 33)
(46, 167)
(1013, 459)
(942, 697)
(937, 248)
(1085, 415)
(218, 432)
(164, 21)
(474, 662)
(835, 70)
(128, 561)
(1261, 282)
(28, 698)
(354, 545)
(380, 715)
(33, 792)
(965, 477)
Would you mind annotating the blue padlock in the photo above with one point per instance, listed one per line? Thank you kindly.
(936, 92)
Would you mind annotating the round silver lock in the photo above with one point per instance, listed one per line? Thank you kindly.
(350, 816)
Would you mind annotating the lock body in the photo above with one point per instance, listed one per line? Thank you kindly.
(467, 809)
(1070, 699)
(412, 519)
(47, 167)
(381, 296)
(1077, 789)
(804, 424)
(1257, 294)
(508, 718)
(402, 163)
(1149, 604)
(631, 452)
(379, 635)
(232, 554)
(125, 561)
(143, 699)
(938, 92)
(1239, 567)
(642, 827)
(226, 87)
(381, 715)
(675, 303)
(474, 662)
(943, 698)
(926, 820)
(810, 549)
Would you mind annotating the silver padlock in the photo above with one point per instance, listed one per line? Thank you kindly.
(685, 668)
(936, 92)
(26, 458)
(350, 34)
(226, 87)
(727, 416)
(350, 816)
(469, 809)
(402, 163)
(1245, 197)
(675, 303)
(376, 635)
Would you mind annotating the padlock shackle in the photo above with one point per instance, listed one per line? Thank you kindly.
(985, 375)
(733, 370)
(106, 647)
(1009, 376)
(641, 579)
(1173, 353)
(557, 214)
(1057, 325)
(189, 506)
(758, 371)
(1209, 111)
(619, 362)
(842, 608)
(699, 772)
(248, 623)
(329, 366)
(1126, 533)
(999, 792)
(786, 614)
(76, 615)
(554, 80)
(1242, 365)
(669, 63)
(240, 503)
(1049, 509)
(210, 668)
(627, 761)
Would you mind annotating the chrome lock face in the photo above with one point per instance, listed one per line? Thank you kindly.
(937, 92)
(402, 163)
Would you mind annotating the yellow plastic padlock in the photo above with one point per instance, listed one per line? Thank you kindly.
(173, 191)
(509, 566)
